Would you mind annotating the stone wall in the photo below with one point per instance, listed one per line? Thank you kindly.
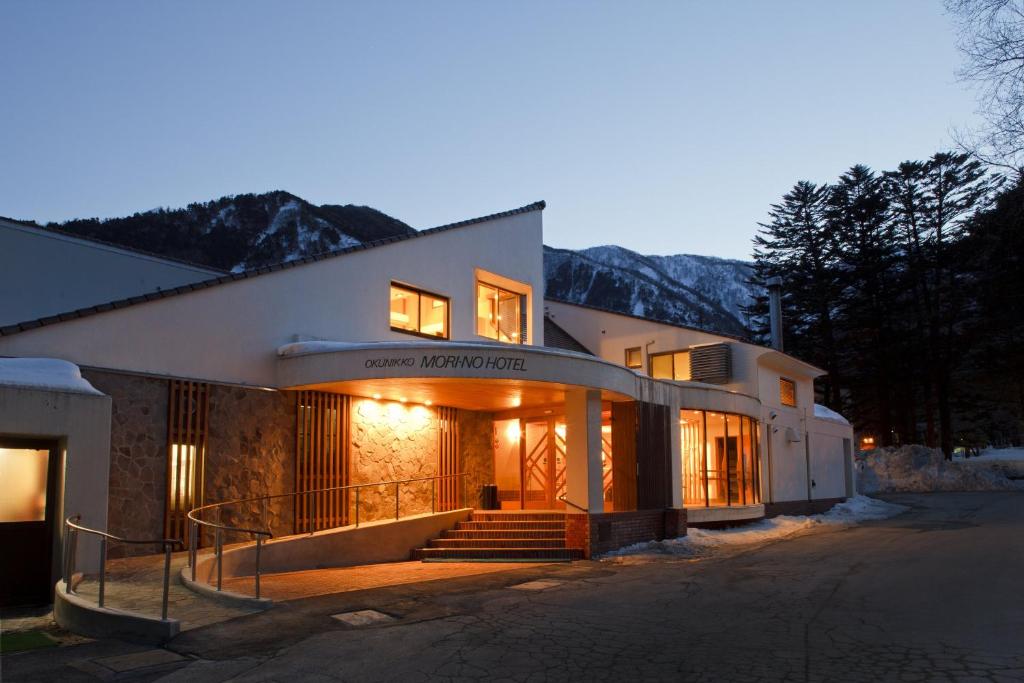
(476, 452)
(392, 441)
(251, 452)
(138, 457)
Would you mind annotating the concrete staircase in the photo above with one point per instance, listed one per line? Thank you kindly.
(500, 536)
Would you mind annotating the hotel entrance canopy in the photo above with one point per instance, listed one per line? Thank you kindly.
(470, 375)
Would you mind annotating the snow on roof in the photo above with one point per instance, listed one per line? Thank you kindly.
(49, 374)
(825, 413)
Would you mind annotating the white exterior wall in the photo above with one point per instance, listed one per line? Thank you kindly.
(81, 425)
(831, 459)
(608, 335)
(44, 273)
(230, 332)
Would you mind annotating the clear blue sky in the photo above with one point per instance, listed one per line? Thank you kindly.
(664, 127)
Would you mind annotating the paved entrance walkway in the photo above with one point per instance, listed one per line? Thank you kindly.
(296, 585)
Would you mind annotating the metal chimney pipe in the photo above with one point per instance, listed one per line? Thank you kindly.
(774, 285)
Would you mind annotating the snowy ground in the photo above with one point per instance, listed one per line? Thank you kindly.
(990, 454)
(917, 469)
(703, 542)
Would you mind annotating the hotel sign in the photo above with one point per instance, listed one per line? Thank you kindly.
(442, 361)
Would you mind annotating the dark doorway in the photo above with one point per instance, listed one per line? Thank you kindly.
(28, 508)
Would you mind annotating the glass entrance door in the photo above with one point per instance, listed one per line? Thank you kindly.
(28, 472)
(543, 462)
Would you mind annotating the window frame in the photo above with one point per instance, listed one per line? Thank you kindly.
(524, 311)
(419, 291)
(640, 364)
(652, 356)
(796, 399)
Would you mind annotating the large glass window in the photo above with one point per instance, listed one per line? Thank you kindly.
(500, 314)
(673, 365)
(23, 472)
(418, 312)
(720, 459)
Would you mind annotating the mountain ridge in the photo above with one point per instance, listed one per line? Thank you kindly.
(246, 231)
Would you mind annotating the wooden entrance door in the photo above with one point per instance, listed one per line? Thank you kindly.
(28, 470)
(542, 456)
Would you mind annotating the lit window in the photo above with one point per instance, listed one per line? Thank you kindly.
(500, 314)
(418, 312)
(634, 359)
(673, 365)
(23, 472)
(181, 486)
(787, 392)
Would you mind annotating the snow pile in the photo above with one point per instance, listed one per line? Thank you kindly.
(825, 413)
(44, 373)
(702, 542)
(922, 469)
(1008, 461)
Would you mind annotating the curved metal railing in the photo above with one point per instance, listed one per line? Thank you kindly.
(569, 502)
(196, 521)
(73, 528)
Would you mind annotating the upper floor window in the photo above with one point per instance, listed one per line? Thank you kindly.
(500, 314)
(673, 365)
(787, 392)
(634, 358)
(418, 312)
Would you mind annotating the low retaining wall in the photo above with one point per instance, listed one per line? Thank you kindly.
(712, 517)
(800, 507)
(607, 531)
(88, 619)
(370, 543)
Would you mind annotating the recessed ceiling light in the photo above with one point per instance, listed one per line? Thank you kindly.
(376, 397)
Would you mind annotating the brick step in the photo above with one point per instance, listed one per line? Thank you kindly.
(497, 543)
(555, 534)
(498, 554)
(518, 516)
(505, 526)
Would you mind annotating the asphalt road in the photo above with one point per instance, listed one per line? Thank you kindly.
(934, 594)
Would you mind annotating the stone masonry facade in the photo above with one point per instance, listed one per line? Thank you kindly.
(476, 452)
(138, 457)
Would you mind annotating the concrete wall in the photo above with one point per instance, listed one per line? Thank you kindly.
(55, 273)
(230, 333)
(81, 424)
(385, 541)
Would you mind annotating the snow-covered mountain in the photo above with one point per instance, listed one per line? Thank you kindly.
(243, 231)
(247, 231)
(700, 291)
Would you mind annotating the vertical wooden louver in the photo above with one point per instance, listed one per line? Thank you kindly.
(321, 460)
(187, 414)
(447, 460)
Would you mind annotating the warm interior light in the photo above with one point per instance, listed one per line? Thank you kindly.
(428, 402)
(376, 397)
(560, 430)
(512, 431)
(403, 399)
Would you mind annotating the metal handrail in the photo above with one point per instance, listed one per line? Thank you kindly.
(569, 502)
(195, 521)
(71, 555)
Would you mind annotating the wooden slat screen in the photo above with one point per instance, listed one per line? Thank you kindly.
(321, 460)
(654, 457)
(624, 416)
(188, 409)
(447, 460)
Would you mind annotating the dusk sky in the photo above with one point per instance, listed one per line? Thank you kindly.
(666, 130)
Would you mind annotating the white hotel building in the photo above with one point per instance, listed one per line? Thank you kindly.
(422, 379)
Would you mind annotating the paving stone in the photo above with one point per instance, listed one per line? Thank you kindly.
(538, 585)
(364, 617)
(139, 660)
